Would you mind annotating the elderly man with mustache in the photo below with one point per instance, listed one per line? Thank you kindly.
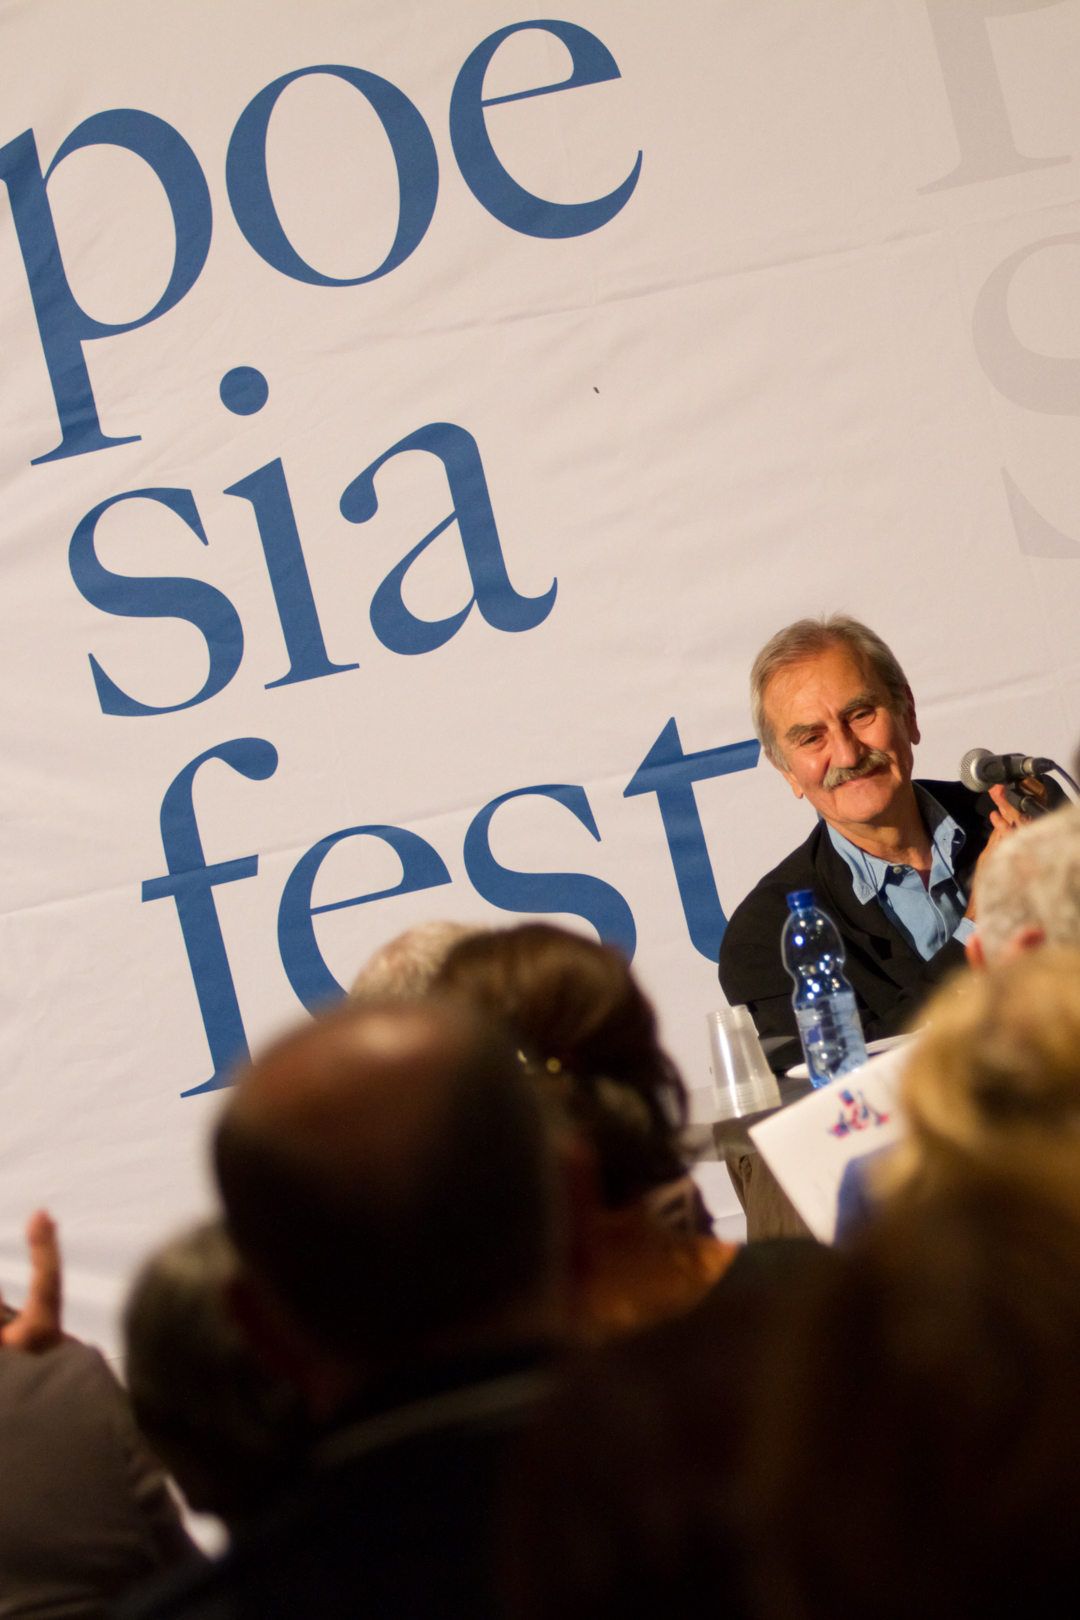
(891, 860)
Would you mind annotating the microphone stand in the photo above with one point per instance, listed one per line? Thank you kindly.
(1057, 793)
(979, 768)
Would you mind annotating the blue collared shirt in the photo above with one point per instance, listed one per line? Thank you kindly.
(927, 917)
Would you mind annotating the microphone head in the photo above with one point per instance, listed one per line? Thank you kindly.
(969, 769)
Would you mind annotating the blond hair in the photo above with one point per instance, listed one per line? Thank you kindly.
(994, 1081)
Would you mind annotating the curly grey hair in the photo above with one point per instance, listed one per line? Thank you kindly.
(406, 965)
(1032, 880)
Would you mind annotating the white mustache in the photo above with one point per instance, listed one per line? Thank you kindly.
(837, 775)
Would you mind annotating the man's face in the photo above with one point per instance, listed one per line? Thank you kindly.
(846, 751)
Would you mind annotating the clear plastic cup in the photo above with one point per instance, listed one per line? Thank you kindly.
(742, 1081)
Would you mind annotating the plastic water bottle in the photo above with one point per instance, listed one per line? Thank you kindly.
(824, 1001)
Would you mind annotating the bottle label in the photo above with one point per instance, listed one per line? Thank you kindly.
(831, 1036)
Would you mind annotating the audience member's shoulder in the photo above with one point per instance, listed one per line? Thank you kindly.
(731, 1319)
(774, 1263)
(197, 1592)
(761, 1282)
(68, 1370)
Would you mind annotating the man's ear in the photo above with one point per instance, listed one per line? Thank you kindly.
(911, 720)
(976, 956)
(1025, 939)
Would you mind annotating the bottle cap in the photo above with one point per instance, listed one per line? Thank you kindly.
(801, 899)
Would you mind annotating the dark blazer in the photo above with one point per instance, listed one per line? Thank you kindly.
(890, 979)
(395, 1517)
(84, 1508)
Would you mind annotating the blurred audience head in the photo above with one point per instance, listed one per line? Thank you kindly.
(388, 1181)
(643, 1245)
(405, 966)
(994, 1078)
(589, 1034)
(916, 1441)
(220, 1422)
(1029, 887)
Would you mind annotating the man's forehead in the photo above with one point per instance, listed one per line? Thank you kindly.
(799, 686)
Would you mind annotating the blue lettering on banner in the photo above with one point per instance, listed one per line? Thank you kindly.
(190, 883)
(207, 608)
(62, 325)
(244, 390)
(481, 170)
(421, 868)
(499, 604)
(269, 495)
(64, 328)
(575, 893)
(671, 774)
(666, 771)
(249, 186)
(192, 600)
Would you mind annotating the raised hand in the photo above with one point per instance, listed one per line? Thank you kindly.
(38, 1325)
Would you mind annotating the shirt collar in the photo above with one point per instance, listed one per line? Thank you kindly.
(870, 873)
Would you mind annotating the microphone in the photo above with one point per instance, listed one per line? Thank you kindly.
(980, 769)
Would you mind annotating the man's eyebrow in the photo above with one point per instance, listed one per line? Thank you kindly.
(863, 700)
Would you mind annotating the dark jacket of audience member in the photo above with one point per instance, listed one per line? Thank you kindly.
(389, 1183)
(883, 1433)
(84, 1508)
(626, 1501)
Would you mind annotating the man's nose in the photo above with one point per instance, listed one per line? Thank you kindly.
(846, 747)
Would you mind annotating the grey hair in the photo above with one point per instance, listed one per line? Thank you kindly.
(805, 639)
(1032, 880)
(405, 966)
(219, 1420)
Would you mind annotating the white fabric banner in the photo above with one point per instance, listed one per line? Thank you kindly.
(413, 418)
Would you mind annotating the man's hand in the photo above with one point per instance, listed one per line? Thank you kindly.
(1005, 819)
(1006, 812)
(37, 1326)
